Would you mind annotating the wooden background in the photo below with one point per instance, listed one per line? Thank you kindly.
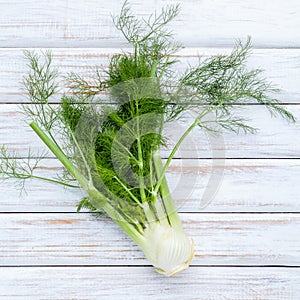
(246, 241)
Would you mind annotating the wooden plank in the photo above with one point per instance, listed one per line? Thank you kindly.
(281, 67)
(79, 239)
(206, 283)
(276, 138)
(89, 23)
(247, 185)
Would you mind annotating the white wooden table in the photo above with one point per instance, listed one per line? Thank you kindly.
(246, 241)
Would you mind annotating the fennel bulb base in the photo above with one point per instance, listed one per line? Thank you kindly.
(169, 250)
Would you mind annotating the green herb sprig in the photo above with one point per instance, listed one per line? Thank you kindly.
(112, 151)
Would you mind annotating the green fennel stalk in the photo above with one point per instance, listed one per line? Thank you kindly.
(112, 150)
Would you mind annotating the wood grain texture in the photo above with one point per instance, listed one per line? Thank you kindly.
(281, 67)
(49, 252)
(275, 139)
(62, 23)
(79, 239)
(247, 185)
(91, 283)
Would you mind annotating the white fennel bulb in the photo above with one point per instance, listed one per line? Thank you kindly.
(168, 249)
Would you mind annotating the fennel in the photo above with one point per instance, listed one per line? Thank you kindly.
(113, 151)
